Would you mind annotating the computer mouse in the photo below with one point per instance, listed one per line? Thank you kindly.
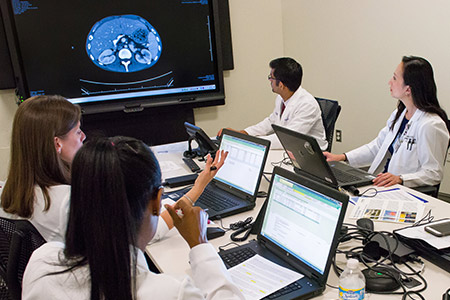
(365, 223)
(214, 232)
(381, 279)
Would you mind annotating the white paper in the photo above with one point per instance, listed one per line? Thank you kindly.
(170, 148)
(258, 277)
(418, 232)
(395, 205)
(168, 166)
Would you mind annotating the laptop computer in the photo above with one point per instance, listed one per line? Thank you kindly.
(299, 230)
(235, 186)
(306, 156)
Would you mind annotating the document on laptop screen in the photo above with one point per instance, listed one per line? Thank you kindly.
(243, 165)
(301, 221)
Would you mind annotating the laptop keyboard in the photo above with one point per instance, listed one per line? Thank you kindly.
(236, 257)
(286, 290)
(344, 177)
(217, 201)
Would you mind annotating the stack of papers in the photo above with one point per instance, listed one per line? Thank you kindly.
(394, 205)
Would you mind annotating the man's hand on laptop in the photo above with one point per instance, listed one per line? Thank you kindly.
(387, 179)
(334, 157)
(241, 131)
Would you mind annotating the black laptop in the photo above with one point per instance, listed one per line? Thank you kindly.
(306, 156)
(299, 230)
(235, 186)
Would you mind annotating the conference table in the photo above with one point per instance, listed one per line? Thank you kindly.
(170, 254)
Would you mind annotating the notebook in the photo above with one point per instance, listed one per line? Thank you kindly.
(299, 230)
(306, 156)
(235, 186)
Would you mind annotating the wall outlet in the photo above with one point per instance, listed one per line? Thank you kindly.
(338, 135)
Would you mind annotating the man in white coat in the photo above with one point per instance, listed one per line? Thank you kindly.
(295, 108)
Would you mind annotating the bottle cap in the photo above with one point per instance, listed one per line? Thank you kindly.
(352, 263)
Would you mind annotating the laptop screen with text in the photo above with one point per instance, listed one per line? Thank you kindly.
(302, 221)
(243, 164)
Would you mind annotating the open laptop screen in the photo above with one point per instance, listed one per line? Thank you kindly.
(301, 221)
(243, 165)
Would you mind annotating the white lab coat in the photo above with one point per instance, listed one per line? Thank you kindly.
(302, 114)
(420, 155)
(210, 279)
(50, 223)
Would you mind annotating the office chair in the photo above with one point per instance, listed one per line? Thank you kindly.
(18, 240)
(330, 112)
(431, 190)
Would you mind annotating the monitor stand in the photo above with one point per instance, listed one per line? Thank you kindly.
(154, 126)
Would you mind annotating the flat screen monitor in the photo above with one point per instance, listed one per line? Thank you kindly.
(116, 55)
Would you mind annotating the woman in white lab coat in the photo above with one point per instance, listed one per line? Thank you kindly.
(411, 149)
(114, 209)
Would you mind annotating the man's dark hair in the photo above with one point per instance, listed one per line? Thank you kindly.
(288, 71)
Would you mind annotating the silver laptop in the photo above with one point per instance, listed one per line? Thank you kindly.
(306, 156)
(235, 186)
(300, 228)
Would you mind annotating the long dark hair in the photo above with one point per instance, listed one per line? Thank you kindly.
(418, 74)
(113, 180)
(34, 160)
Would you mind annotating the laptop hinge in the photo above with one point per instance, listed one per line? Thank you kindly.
(315, 277)
(262, 243)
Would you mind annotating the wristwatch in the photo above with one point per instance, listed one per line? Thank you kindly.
(401, 178)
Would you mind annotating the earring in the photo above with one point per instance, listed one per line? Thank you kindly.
(155, 212)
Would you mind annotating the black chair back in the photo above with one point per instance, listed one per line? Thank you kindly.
(330, 113)
(18, 240)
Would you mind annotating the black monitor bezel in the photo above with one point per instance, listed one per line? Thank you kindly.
(198, 99)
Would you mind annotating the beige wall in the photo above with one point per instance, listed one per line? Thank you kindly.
(349, 50)
(257, 38)
(7, 110)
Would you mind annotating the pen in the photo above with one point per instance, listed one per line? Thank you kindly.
(390, 190)
(213, 168)
(421, 199)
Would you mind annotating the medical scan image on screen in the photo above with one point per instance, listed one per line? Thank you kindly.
(126, 43)
(98, 51)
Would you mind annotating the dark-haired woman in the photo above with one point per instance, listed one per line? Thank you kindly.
(45, 136)
(114, 212)
(411, 149)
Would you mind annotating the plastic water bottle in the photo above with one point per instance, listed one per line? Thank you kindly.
(352, 283)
